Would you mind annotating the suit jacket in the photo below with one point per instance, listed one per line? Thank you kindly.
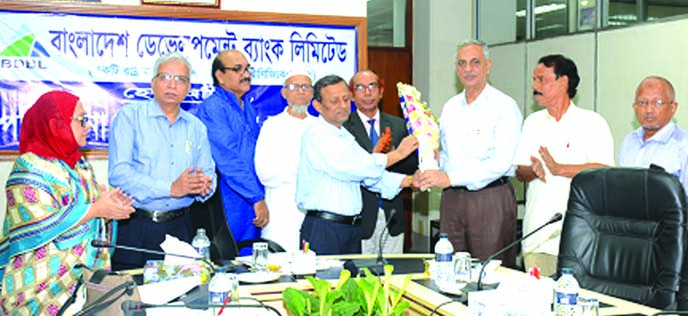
(406, 166)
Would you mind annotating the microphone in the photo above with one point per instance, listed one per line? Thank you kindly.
(134, 308)
(104, 244)
(557, 217)
(380, 259)
(375, 266)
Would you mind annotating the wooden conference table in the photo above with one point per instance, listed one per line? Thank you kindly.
(423, 299)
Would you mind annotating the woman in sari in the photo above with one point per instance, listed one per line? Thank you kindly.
(54, 209)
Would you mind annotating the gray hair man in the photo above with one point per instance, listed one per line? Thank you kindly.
(479, 131)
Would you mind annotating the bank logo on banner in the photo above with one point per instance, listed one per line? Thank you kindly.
(24, 52)
(25, 46)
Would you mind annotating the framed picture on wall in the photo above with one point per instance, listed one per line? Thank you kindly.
(195, 3)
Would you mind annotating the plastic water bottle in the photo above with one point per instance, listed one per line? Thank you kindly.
(201, 243)
(219, 288)
(566, 294)
(444, 263)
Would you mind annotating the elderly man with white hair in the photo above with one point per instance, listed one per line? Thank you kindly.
(277, 159)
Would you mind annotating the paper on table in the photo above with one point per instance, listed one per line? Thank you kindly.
(165, 291)
(174, 245)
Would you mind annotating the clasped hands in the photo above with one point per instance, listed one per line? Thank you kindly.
(191, 182)
(113, 204)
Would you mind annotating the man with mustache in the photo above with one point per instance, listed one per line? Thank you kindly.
(233, 132)
(280, 137)
(332, 169)
(556, 144)
(479, 131)
(159, 154)
(659, 140)
(367, 123)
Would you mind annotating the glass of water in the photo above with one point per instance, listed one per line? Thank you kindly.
(589, 306)
(260, 256)
(234, 288)
(462, 266)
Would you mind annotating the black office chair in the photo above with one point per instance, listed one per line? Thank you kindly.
(210, 215)
(624, 234)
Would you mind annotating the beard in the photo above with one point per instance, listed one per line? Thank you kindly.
(298, 108)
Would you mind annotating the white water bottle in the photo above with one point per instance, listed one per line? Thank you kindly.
(444, 262)
(566, 294)
(202, 244)
(221, 286)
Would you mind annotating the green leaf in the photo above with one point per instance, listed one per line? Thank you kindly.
(346, 308)
(400, 308)
(351, 292)
(344, 276)
(296, 301)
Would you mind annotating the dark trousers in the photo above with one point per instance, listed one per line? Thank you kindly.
(481, 222)
(331, 238)
(142, 232)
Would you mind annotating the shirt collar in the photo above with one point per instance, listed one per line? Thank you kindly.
(365, 118)
(484, 95)
(154, 110)
(569, 112)
(662, 136)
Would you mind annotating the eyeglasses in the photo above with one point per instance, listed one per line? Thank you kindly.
(294, 87)
(655, 103)
(83, 119)
(362, 88)
(239, 69)
(165, 77)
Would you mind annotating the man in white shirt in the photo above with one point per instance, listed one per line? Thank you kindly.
(556, 144)
(277, 158)
(658, 140)
(479, 131)
(332, 169)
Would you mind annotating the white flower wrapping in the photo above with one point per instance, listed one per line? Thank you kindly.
(421, 124)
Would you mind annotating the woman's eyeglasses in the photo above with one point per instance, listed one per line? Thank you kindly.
(83, 119)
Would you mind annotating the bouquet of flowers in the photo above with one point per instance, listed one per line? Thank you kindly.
(422, 124)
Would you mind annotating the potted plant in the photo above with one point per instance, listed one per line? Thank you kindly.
(350, 297)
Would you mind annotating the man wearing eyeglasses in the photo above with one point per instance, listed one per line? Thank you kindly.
(479, 130)
(556, 143)
(280, 137)
(332, 169)
(367, 123)
(233, 132)
(659, 140)
(160, 155)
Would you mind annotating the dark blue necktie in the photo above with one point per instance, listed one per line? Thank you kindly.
(373, 134)
(373, 139)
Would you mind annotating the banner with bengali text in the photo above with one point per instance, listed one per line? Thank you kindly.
(108, 61)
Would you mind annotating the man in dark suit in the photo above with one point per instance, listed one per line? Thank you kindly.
(367, 89)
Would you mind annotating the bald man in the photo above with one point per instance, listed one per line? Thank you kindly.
(281, 137)
(658, 140)
(366, 89)
(233, 131)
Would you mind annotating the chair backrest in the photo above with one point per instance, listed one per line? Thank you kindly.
(624, 234)
(211, 216)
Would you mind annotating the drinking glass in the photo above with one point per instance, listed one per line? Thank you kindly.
(260, 256)
(588, 306)
(234, 294)
(462, 266)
